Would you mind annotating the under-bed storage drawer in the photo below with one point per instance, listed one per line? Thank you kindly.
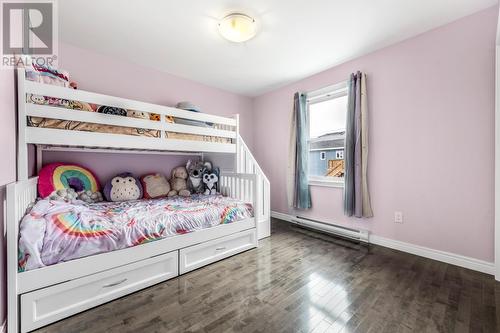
(44, 306)
(196, 256)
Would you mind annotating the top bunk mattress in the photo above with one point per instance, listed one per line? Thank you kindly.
(55, 231)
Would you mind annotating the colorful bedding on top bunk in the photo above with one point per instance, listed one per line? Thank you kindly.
(102, 128)
(57, 231)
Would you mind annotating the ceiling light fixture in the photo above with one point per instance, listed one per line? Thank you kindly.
(237, 27)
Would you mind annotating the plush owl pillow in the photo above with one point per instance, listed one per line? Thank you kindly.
(123, 187)
(155, 185)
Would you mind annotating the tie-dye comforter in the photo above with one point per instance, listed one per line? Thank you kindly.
(55, 231)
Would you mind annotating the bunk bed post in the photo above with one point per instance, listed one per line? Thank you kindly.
(39, 158)
(238, 145)
(256, 206)
(12, 248)
(22, 147)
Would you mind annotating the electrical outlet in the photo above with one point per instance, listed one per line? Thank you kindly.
(398, 217)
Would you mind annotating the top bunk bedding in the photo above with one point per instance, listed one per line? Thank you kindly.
(57, 231)
(73, 125)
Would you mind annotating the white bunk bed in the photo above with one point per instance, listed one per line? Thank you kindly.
(41, 296)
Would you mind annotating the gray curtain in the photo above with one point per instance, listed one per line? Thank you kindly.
(356, 194)
(298, 184)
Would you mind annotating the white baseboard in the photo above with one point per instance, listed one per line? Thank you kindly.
(447, 257)
(281, 216)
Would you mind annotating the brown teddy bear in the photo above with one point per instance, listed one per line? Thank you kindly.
(178, 182)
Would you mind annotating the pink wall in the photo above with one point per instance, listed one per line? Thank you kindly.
(104, 169)
(110, 76)
(431, 101)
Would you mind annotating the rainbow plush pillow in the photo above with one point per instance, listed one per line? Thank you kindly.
(58, 176)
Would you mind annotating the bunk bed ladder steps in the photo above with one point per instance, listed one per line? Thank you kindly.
(246, 163)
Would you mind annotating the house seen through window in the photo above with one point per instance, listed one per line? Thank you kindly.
(327, 119)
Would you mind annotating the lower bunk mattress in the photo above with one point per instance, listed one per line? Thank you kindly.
(56, 231)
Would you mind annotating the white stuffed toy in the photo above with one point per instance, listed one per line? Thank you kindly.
(90, 197)
(69, 194)
(66, 194)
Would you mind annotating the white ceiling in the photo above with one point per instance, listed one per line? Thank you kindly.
(296, 38)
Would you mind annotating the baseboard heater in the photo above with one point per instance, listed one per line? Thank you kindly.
(359, 235)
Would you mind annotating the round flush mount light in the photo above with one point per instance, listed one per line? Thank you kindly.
(237, 27)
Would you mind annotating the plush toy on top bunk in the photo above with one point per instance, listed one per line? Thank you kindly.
(67, 182)
(43, 73)
(59, 102)
(137, 114)
(112, 110)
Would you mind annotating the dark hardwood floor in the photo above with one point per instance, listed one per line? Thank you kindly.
(298, 281)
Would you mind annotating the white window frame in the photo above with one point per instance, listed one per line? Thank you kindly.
(318, 96)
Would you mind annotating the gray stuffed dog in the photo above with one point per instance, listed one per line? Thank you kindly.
(195, 175)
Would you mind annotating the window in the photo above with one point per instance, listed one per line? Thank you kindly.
(327, 118)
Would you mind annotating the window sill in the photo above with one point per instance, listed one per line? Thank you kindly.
(327, 183)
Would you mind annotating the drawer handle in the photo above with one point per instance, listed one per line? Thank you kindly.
(112, 284)
(220, 248)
